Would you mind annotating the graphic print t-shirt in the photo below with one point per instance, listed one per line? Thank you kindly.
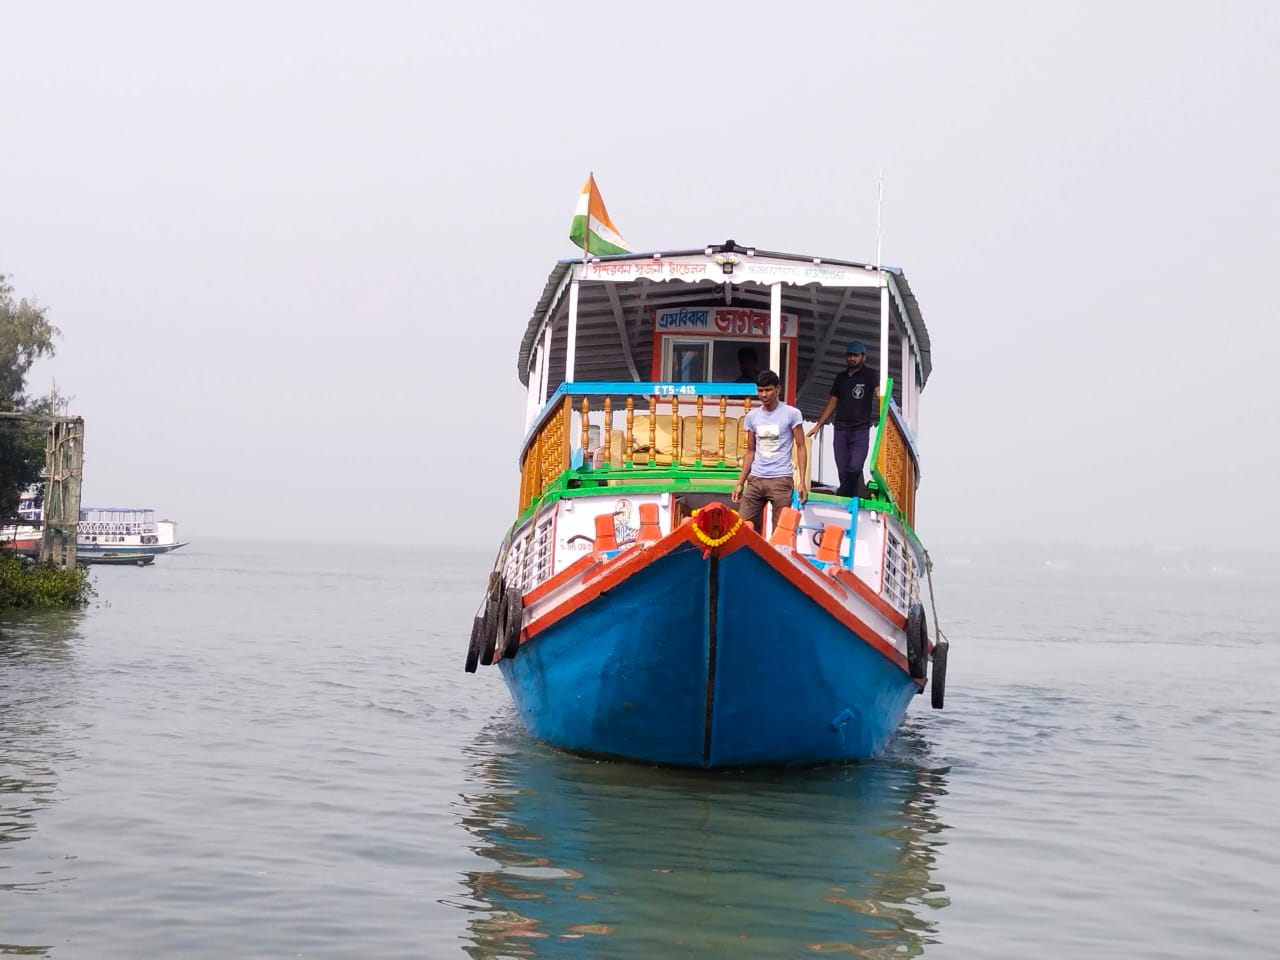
(774, 439)
(853, 397)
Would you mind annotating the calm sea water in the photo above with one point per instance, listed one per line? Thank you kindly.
(273, 751)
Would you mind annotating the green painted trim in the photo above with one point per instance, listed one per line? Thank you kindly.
(876, 475)
(667, 480)
(911, 534)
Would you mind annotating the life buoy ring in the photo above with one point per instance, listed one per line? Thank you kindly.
(938, 685)
(917, 642)
(510, 620)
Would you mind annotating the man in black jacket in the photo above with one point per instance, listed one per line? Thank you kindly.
(855, 400)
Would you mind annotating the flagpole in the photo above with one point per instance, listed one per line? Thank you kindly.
(884, 290)
(571, 344)
(586, 233)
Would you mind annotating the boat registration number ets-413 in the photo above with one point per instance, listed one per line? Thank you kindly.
(674, 389)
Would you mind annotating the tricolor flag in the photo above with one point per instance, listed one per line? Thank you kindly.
(592, 229)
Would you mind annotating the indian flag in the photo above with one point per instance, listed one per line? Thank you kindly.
(592, 227)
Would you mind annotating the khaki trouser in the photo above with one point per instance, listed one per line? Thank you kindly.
(761, 490)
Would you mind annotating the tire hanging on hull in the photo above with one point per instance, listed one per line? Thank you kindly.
(938, 685)
(510, 618)
(477, 641)
(489, 637)
(917, 642)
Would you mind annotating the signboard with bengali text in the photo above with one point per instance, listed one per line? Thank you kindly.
(721, 322)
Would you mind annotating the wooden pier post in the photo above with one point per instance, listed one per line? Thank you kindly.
(64, 471)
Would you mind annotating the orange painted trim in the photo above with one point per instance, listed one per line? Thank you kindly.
(607, 562)
(610, 575)
(879, 603)
(565, 575)
(638, 559)
(839, 587)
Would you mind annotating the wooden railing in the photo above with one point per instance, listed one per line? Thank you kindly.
(894, 467)
(546, 454)
(666, 427)
(669, 431)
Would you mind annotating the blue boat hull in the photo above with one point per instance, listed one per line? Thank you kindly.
(719, 662)
(101, 549)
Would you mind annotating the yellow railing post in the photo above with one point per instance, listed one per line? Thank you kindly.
(720, 457)
(606, 432)
(697, 432)
(653, 431)
(627, 443)
(675, 430)
(586, 427)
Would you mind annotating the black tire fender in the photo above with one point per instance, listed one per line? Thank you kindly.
(511, 615)
(477, 640)
(489, 630)
(938, 685)
(917, 642)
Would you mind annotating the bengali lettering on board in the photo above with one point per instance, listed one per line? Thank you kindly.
(721, 321)
(750, 271)
(650, 269)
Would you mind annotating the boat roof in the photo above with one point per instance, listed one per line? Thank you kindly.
(836, 300)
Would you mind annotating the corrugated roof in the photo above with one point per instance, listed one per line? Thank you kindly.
(615, 318)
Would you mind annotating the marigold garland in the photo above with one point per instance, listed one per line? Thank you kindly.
(718, 541)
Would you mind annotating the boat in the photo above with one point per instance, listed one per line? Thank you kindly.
(117, 558)
(111, 529)
(101, 530)
(24, 535)
(630, 610)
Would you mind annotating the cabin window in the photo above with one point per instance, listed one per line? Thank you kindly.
(720, 360)
(687, 360)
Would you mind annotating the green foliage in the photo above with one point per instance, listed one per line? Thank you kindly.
(25, 336)
(41, 586)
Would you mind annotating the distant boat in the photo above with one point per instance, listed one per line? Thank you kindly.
(101, 530)
(124, 558)
(134, 529)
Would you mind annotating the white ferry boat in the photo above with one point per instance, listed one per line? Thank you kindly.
(132, 529)
(102, 530)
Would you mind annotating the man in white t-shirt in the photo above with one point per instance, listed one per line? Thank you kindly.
(773, 428)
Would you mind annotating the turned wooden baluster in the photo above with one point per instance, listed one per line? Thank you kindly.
(653, 431)
(697, 433)
(724, 404)
(628, 441)
(586, 429)
(566, 441)
(675, 429)
(606, 431)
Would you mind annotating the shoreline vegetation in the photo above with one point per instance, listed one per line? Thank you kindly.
(25, 337)
(25, 585)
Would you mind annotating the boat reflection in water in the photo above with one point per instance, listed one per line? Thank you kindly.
(611, 859)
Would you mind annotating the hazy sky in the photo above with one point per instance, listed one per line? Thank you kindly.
(293, 247)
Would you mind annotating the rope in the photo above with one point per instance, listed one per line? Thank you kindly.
(937, 630)
(913, 582)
